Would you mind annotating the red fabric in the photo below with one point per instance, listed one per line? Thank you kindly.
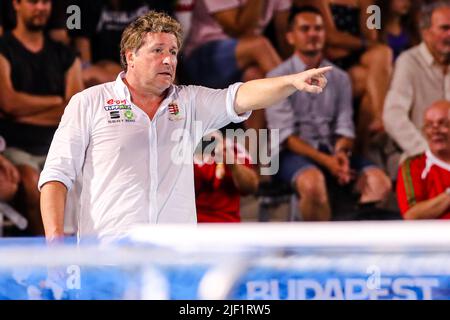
(412, 189)
(217, 200)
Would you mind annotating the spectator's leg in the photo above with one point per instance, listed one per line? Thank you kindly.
(8, 188)
(256, 50)
(314, 204)
(373, 185)
(30, 179)
(358, 76)
(378, 63)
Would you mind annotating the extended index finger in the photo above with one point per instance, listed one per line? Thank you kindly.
(319, 71)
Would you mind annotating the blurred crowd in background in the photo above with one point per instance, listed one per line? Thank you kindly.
(374, 145)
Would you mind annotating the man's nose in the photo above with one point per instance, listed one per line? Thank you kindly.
(166, 59)
(41, 5)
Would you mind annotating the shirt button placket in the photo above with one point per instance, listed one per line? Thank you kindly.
(153, 172)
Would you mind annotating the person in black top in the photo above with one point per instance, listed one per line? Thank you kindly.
(56, 26)
(37, 78)
(98, 39)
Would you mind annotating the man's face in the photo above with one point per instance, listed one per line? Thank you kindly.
(33, 13)
(400, 7)
(307, 34)
(155, 63)
(437, 36)
(437, 128)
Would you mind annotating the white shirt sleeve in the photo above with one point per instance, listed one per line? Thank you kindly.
(67, 151)
(214, 108)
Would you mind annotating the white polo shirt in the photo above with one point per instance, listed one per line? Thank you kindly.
(134, 170)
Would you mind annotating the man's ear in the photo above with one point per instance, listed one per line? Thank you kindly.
(290, 38)
(15, 3)
(129, 56)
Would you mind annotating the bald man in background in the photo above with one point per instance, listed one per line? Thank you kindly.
(423, 188)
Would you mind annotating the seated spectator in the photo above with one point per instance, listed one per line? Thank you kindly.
(221, 178)
(56, 26)
(317, 132)
(37, 78)
(226, 45)
(354, 47)
(98, 40)
(421, 77)
(423, 187)
(9, 176)
(399, 26)
(226, 40)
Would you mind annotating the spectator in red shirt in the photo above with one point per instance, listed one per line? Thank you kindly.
(221, 178)
(423, 188)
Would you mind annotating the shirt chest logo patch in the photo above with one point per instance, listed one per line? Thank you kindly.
(175, 112)
(119, 111)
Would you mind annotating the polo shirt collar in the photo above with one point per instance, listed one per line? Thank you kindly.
(432, 160)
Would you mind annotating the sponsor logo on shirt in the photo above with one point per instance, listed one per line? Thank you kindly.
(114, 114)
(119, 111)
(129, 115)
(116, 104)
(115, 101)
(118, 107)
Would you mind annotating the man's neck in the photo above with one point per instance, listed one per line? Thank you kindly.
(144, 98)
(441, 60)
(33, 40)
(443, 156)
(310, 61)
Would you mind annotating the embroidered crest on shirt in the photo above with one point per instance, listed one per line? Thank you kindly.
(174, 111)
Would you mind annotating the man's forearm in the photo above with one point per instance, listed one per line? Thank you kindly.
(19, 104)
(343, 144)
(298, 146)
(262, 93)
(49, 117)
(53, 201)
(429, 209)
(245, 179)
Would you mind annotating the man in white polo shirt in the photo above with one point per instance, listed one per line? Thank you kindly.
(131, 142)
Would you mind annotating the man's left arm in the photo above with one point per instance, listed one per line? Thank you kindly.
(344, 126)
(74, 84)
(262, 93)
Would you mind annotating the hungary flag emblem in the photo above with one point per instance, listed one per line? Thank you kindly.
(173, 109)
